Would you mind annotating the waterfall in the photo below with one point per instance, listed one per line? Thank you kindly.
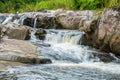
(33, 37)
(22, 21)
(64, 36)
(22, 18)
(35, 23)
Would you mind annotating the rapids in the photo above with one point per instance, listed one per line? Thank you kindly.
(70, 60)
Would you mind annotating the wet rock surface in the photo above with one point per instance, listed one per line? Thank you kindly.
(40, 33)
(6, 64)
(104, 57)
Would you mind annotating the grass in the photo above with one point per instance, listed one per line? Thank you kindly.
(25, 5)
(55, 4)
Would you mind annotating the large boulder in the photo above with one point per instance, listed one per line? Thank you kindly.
(75, 19)
(15, 31)
(19, 51)
(103, 33)
(109, 29)
(18, 47)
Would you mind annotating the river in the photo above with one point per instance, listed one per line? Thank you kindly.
(70, 60)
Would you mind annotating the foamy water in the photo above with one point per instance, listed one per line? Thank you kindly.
(71, 60)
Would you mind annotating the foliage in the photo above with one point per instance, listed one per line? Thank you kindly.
(25, 5)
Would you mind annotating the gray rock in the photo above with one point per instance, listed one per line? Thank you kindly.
(40, 33)
(104, 57)
(104, 34)
(15, 31)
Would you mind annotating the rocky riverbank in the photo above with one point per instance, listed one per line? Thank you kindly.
(101, 32)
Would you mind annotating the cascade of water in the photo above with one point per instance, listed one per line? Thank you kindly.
(33, 38)
(62, 36)
(35, 23)
(65, 45)
(22, 18)
(8, 19)
(22, 21)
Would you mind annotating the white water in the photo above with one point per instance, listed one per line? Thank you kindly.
(35, 23)
(21, 19)
(63, 36)
(65, 45)
(71, 61)
(7, 20)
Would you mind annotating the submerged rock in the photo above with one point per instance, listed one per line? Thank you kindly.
(6, 64)
(104, 57)
(26, 60)
(40, 33)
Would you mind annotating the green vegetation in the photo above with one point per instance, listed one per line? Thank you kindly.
(25, 5)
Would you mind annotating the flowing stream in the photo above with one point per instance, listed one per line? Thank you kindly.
(70, 60)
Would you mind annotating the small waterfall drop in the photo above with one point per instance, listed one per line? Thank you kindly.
(35, 23)
(22, 21)
(22, 18)
(62, 36)
(33, 37)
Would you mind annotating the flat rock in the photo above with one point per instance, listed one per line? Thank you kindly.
(18, 47)
(19, 52)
